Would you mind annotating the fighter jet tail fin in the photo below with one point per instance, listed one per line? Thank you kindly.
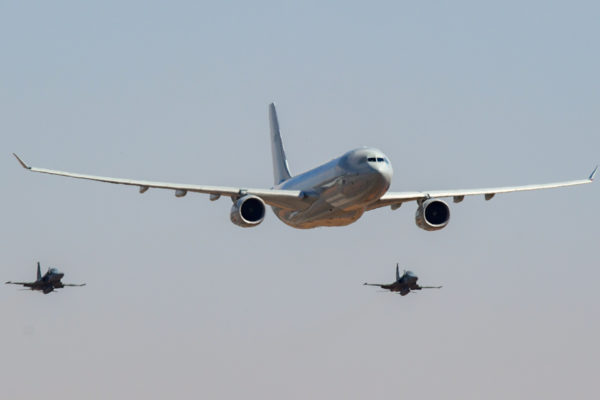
(281, 170)
(39, 272)
(397, 272)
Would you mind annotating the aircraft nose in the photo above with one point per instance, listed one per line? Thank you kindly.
(385, 173)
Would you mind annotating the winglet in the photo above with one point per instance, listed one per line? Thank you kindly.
(591, 178)
(21, 162)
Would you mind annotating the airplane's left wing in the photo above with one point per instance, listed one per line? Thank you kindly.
(19, 283)
(282, 198)
(74, 284)
(395, 199)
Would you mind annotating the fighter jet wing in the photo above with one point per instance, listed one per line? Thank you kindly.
(74, 284)
(281, 198)
(395, 199)
(430, 287)
(27, 284)
(381, 285)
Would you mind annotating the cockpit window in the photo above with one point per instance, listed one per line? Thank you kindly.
(378, 159)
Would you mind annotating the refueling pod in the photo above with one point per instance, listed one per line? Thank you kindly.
(432, 215)
(247, 211)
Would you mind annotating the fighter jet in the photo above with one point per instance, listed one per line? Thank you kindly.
(46, 283)
(404, 284)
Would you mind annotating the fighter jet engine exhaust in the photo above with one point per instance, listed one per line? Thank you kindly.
(432, 215)
(248, 211)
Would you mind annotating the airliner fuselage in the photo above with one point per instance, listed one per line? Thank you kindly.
(343, 188)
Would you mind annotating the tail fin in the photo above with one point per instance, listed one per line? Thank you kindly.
(39, 272)
(397, 272)
(281, 171)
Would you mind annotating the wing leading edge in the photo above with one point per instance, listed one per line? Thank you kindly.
(381, 285)
(287, 199)
(395, 199)
(27, 284)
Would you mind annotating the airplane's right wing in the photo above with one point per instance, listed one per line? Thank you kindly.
(74, 284)
(286, 199)
(381, 285)
(27, 284)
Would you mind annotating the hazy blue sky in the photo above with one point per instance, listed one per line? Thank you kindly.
(181, 303)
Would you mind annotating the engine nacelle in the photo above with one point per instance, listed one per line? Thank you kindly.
(432, 215)
(247, 211)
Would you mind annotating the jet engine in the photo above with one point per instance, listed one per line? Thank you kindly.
(247, 211)
(432, 215)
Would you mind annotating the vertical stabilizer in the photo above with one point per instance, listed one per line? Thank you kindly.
(397, 272)
(281, 170)
(39, 272)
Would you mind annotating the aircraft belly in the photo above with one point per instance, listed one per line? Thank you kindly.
(320, 213)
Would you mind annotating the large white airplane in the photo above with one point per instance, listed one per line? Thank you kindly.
(336, 193)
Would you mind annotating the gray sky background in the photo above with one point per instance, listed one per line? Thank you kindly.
(181, 303)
